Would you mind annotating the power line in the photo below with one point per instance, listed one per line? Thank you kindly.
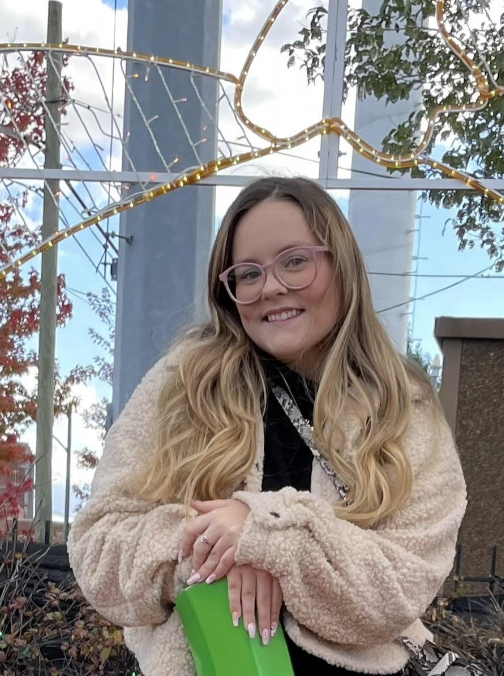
(285, 153)
(414, 274)
(433, 293)
(96, 267)
(81, 295)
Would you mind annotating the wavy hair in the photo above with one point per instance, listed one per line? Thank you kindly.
(214, 395)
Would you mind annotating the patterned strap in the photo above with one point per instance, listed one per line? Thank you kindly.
(429, 662)
(305, 431)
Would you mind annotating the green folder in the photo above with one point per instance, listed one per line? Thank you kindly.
(218, 647)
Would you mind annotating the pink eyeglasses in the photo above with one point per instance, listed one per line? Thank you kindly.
(294, 268)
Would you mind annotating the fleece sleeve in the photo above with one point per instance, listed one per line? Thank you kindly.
(124, 551)
(355, 586)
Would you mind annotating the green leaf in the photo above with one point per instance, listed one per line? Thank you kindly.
(378, 65)
(105, 654)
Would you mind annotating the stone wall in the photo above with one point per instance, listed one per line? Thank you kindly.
(472, 395)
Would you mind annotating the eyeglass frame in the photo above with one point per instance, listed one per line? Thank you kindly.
(224, 276)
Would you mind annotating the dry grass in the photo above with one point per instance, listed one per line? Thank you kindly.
(48, 629)
(479, 635)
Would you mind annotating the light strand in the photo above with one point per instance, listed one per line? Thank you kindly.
(276, 144)
(146, 123)
(79, 50)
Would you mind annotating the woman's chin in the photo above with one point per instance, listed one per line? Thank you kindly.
(286, 354)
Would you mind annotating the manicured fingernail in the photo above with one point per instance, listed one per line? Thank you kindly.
(210, 578)
(251, 630)
(194, 577)
(236, 619)
(265, 637)
(274, 629)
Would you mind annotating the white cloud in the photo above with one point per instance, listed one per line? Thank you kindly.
(82, 436)
(274, 96)
(90, 23)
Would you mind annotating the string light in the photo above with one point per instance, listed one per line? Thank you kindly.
(275, 144)
(128, 56)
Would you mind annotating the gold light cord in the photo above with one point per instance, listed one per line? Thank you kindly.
(275, 144)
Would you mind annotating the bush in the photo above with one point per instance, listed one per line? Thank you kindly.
(48, 629)
(478, 634)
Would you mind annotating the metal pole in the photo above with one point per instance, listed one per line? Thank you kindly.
(333, 85)
(49, 276)
(68, 469)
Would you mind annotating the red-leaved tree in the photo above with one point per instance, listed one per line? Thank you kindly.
(22, 87)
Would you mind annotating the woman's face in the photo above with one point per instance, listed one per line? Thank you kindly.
(265, 231)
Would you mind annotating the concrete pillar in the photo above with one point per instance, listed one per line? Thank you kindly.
(383, 221)
(161, 273)
(471, 396)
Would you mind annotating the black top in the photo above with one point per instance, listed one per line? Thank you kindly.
(288, 462)
(287, 459)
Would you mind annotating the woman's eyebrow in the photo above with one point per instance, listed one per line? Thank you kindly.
(291, 245)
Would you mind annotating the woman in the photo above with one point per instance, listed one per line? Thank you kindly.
(353, 546)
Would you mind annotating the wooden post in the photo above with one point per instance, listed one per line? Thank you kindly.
(49, 276)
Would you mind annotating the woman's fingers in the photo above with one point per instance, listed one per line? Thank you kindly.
(205, 550)
(205, 559)
(264, 597)
(234, 593)
(205, 506)
(248, 599)
(256, 597)
(224, 519)
(194, 528)
(276, 605)
(227, 561)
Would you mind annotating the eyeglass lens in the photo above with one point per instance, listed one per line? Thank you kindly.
(295, 269)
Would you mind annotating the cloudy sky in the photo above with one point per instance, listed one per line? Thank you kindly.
(279, 99)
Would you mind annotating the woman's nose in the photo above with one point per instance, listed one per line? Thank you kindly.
(272, 287)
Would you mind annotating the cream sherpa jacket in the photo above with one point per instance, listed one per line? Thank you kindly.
(348, 592)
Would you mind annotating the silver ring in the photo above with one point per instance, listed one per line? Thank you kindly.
(204, 540)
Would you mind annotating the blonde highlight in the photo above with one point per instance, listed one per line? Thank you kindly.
(211, 403)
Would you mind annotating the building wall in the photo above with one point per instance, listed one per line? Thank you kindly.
(472, 394)
(480, 437)
(20, 472)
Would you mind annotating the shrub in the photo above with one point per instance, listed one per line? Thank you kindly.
(478, 634)
(48, 629)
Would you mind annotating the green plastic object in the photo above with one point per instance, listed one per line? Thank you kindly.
(218, 647)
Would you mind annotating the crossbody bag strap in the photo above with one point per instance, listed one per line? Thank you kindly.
(305, 431)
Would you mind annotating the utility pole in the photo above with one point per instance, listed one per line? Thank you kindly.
(49, 277)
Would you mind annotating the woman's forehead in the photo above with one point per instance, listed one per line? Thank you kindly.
(268, 229)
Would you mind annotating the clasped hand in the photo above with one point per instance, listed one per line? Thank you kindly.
(212, 538)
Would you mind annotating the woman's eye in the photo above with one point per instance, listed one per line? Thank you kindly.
(294, 261)
(248, 275)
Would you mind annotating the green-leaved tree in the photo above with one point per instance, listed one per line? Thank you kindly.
(378, 66)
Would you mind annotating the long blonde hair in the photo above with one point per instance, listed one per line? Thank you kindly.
(214, 396)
